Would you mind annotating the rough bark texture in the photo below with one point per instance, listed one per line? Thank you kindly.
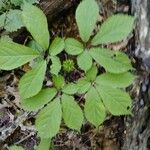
(138, 127)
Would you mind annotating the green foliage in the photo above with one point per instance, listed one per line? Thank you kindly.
(114, 29)
(16, 148)
(86, 17)
(49, 119)
(31, 83)
(114, 62)
(38, 26)
(94, 109)
(84, 61)
(68, 65)
(72, 113)
(102, 84)
(57, 46)
(38, 101)
(44, 144)
(73, 47)
(13, 55)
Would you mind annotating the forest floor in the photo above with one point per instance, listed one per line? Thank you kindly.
(110, 136)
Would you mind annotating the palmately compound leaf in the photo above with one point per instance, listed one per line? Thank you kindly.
(36, 23)
(16, 148)
(86, 16)
(38, 101)
(94, 109)
(92, 73)
(114, 29)
(31, 83)
(73, 47)
(13, 20)
(57, 46)
(116, 80)
(115, 100)
(56, 65)
(72, 113)
(59, 81)
(13, 55)
(83, 85)
(114, 62)
(49, 119)
(44, 144)
(70, 88)
(84, 61)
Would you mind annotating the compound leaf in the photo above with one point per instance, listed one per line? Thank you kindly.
(31, 83)
(73, 47)
(36, 23)
(84, 61)
(13, 55)
(72, 113)
(114, 29)
(116, 80)
(57, 46)
(49, 119)
(86, 16)
(94, 109)
(115, 100)
(114, 62)
(38, 101)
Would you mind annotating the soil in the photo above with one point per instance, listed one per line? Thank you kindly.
(109, 136)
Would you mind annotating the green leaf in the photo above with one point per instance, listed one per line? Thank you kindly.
(44, 144)
(83, 85)
(92, 73)
(31, 83)
(34, 45)
(94, 109)
(116, 80)
(116, 101)
(57, 46)
(49, 119)
(114, 62)
(56, 65)
(13, 20)
(13, 55)
(59, 81)
(73, 47)
(19, 2)
(84, 61)
(72, 113)
(38, 101)
(36, 23)
(114, 29)
(86, 16)
(16, 148)
(2, 20)
(70, 89)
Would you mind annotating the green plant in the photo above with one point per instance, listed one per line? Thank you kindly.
(10, 14)
(102, 92)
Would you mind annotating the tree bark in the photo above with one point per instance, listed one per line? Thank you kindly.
(138, 126)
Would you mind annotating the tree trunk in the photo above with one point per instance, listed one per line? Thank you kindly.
(138, 126)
